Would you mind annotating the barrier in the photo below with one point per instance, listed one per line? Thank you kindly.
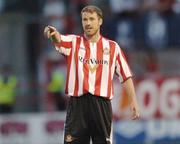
(32, 128)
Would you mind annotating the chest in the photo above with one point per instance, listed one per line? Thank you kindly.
(94, 52)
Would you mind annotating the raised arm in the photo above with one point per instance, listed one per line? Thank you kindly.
(62, 43)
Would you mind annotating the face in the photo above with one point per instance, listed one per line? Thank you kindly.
(91, 23)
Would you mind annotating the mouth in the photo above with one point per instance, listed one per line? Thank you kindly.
(88, 28)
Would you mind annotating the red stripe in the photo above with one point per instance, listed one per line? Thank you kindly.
(112, 51)
(63, 44)
(121, 68)
(66, 44)
(125, 60)
(85, 66)
(99, 56)
(76, 64)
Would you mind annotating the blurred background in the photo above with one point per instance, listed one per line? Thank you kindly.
(32, 73)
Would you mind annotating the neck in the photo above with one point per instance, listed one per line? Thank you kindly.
(93, 38)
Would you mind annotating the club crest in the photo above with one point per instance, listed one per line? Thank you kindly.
(106, 51)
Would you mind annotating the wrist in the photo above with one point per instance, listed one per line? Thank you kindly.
(54, 39)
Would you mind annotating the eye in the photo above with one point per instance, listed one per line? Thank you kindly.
(84, 19)
(91, 18)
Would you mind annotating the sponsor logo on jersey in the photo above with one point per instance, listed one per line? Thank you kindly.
(93, 61)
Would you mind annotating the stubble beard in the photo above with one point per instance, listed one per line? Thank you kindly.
(91, 35)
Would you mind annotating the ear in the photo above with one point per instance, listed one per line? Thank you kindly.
(100, 21)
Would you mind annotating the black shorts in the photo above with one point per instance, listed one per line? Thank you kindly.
(88, 117)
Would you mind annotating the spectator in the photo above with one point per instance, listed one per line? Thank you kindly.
(126, 15)
(56, 87)
(156, 31)
(120, 6)
(176, 6)
(8, 85)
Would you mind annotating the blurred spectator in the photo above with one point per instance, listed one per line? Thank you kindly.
(149, 5)
(125, 33)
(54, 12)
(73, 20)
(166, 5)
(55, 87)
(52, 73)
(119, 6)
(176, 6)
(8, 85)
(155, 30)
(109, 23)
(126, 14)
(78, 4)
(157, 5)
(158, 23)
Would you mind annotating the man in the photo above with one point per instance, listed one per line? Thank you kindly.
(91, 63)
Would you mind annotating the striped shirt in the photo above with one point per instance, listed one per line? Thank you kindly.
(91, 66)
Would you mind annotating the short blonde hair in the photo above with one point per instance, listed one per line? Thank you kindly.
(91, 9)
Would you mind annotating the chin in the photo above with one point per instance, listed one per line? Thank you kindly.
(89, 34)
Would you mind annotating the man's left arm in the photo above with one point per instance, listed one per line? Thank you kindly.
(130, 90)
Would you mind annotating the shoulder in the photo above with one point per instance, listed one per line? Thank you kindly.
(111, 42)
(69, 37)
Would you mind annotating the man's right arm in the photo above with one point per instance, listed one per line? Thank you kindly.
(62, 43)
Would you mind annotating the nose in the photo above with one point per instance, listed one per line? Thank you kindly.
(88, 22)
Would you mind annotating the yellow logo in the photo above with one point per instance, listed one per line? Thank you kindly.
(92, 68)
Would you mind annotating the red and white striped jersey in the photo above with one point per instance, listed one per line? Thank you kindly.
(91, 66)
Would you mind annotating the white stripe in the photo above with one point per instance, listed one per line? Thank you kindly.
(118, 66)
(111, 93)
(72, 73)
(92, 75)
(80, 68)
(67, 38)
(105, 70)
(118, 71)
(112, 72)
(125, 66)
(110, 139)
(111, 135)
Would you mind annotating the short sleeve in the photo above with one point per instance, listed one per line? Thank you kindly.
(121, 66)
(65, 46)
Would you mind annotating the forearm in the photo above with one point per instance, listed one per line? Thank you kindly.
(130, 90)
(129, 87)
